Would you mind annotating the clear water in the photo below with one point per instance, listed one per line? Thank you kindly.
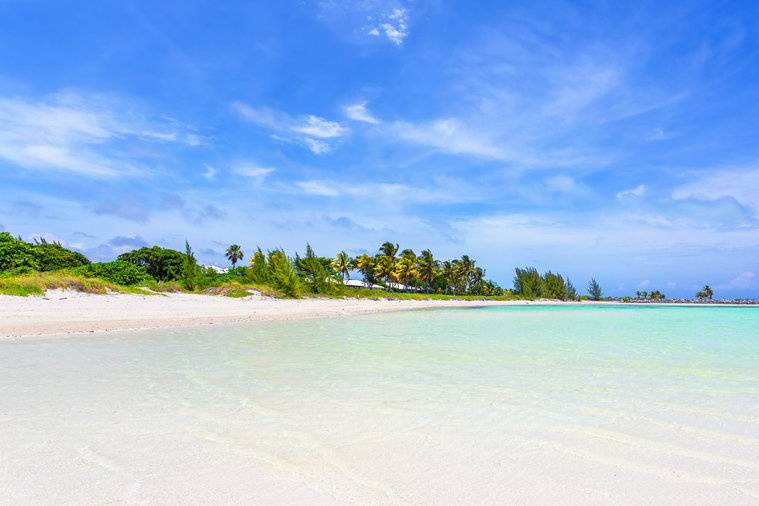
(521, 404)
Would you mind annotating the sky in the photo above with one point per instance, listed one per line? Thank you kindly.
(618, 140)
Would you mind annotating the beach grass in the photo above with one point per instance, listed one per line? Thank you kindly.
(37, 283)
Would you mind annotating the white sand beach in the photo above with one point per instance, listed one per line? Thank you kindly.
(68, 312)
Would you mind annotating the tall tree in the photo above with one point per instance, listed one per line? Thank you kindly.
(528, 283)
(389, 249)
(571, 291)
(234, 254)
(366, 264)
(384, 269)
(190, 269)
(427, 268)
(705, 293)
(405, 268)
(594, 289)
(342, 264)
(465, 269)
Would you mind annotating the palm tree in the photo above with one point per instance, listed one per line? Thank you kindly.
(405, 269)
(234, 254)
(385, 269)
(449, 274)
(342, 264)
(389, 249)
(705, 293)
(466, 270)
(427, 268)
(366, 264)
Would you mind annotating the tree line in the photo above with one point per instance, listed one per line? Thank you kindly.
(391, 268)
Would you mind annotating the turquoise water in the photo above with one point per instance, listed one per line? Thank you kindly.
(530, 404)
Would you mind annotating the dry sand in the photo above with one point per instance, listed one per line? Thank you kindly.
(67, 312)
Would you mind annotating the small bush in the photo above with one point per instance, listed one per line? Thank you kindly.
(118, 271)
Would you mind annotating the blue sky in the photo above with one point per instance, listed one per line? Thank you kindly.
(608, 139)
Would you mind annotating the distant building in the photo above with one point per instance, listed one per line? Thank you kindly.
(360, 284)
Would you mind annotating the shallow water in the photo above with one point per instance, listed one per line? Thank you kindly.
(501, 404)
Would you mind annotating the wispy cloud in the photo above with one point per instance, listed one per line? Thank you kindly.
(311, 131)
(251, 170)
(439, 190)
(742, 281)
(210, 172)
(392, 25)
(566, 185)
(449, 135)
(359, 112)
(637, 191)
(739, 185)
(317, 188)
(86, 135)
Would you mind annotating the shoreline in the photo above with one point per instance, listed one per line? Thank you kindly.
(69, 313)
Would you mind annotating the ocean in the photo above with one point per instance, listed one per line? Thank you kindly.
(521, 404)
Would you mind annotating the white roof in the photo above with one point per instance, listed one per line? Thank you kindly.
(360, 284)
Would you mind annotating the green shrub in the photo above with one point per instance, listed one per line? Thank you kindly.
(41, 256)
(15, 253)
(118, 271)
(162, 264)
(282, 275)
(258, 272)
(528, 283)
(554, 286)
(317, 273)
(54, 257)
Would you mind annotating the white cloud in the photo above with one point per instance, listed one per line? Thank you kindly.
(252, 171)
(310, 130)
(210, 173)
(440, 190)
(393, 25)
(316, 147)
(638, 191)
(77, 134)
(449, 135)
(317, 188)
(658, 134)
(359, 112)
(565, 184)
(738, 184)
(314, 126)
(742, 281)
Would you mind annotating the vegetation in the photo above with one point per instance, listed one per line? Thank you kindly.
(653, 295)
(162, 264)
(530, 284)
(706, 293)
(37, 283)
(234, 254)
(32, 267)
(40, 255)
(118, 271)
(594, 290)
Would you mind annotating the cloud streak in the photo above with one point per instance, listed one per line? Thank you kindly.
(85, 135)
(311, 131)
